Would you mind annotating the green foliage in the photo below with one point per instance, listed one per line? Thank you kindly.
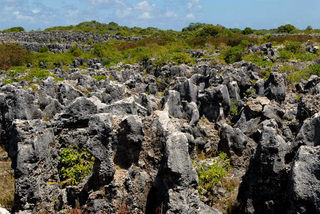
(298, 75)
(193, 26)
(13, 29)
(315, 69)
(180, 58)
(309, 28)
(75, 51)
(247, 31)
(210, 30)
(74, 164)
(249, 91)
(306, 56)
(285, 55)
(111, 28)
(36, 73)
(13, 55)
(258, 60)
(292, 46)
(288, 28)
(100, 77)
(234, 108)
(44, 49)
(212, 175)
(233, 54)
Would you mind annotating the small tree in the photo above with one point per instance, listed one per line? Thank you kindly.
(247, 31)
(309, 28)
(210, 30)
(288, 28)
(194, 26)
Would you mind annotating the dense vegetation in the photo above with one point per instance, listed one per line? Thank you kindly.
(217, 43)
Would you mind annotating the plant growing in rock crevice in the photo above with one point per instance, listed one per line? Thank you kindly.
(212, 175)
(74, 164)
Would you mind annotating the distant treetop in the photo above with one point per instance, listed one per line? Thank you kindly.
(13, 29)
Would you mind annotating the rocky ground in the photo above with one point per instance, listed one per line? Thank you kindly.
(146, 129)
(58, 41)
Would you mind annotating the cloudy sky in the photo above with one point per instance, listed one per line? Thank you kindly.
(165, 14)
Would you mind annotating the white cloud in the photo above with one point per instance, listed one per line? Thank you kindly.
(72, 13)
(145, 15)
(35, 11)
(190, 16)
(170, 14)
(99, 1)
(194, 4)
(20, 16)
(124, 12)
(145, 6)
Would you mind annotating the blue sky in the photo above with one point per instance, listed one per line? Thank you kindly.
(165, 14)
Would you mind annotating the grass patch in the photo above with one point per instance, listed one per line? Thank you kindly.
(6, 183)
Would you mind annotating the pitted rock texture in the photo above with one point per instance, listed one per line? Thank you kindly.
(144, 144)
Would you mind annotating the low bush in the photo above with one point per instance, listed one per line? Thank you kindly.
(315, 69)
(13, 55)
(285, 55)
(233, 54)
(74, 164)
(210, 30)
(13, 29)
(44, 49)
(292, 46)
(100, 77)
(75, 51)
(212, 175)
(247, 31)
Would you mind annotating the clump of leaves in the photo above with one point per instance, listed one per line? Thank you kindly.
(74, 164)
(233, 54)
(212, 175)
(293, 46)
(234, 108)
(13, 55)
(315, 69)
(100, 77)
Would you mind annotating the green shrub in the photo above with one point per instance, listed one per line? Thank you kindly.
(44, 49)
(258, 60)
(249, 91)
(292, 46)
(212, 175)
(247, 31)
(179, 58)
(100, 77)
(286, 29)
(52, 60)
(74, 164)
(13, 55)
(233, 54)
(285, 55)
(234, 108)
(298, 75)
(315, 69)
(110, 62)
(36, 73)
(306, 56)
(14, 29)
(193, 26)
(209, 30)
(75, 51)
